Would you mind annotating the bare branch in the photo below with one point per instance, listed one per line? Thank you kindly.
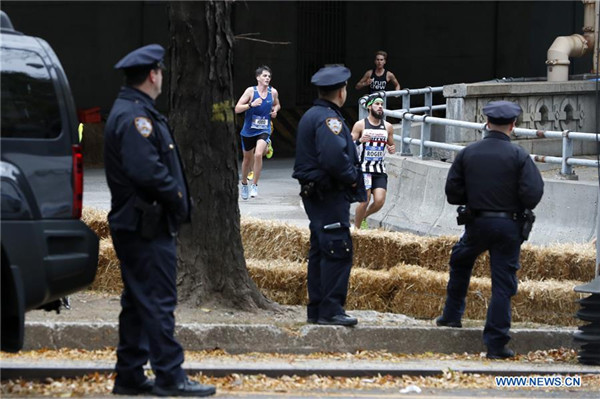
(245, 36)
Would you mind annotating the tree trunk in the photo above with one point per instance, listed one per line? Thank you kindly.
(212, 268)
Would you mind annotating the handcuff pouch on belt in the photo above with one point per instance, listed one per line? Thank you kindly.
(465, 215)
(528, 220)
(308, 189)
(151, 220)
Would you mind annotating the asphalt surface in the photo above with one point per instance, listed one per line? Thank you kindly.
(278, 197)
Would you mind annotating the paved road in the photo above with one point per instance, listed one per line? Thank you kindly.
(278, 194)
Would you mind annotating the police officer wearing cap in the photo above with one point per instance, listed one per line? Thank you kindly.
(149, 200)
(499, 184)
(327, 168)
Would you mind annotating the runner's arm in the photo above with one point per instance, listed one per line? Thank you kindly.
(391, 147)
(357, 130)
(276, 104)
(364, 81)
(243, 104)
(394, 81)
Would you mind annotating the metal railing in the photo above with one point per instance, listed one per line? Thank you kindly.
(407, 115)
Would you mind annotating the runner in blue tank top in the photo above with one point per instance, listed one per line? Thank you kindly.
(261, 104)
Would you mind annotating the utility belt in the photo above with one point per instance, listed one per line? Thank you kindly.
(314, 189)
(466, 215)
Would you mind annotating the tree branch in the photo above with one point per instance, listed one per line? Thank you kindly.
(245, 36)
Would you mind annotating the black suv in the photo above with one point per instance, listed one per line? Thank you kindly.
(47, 251)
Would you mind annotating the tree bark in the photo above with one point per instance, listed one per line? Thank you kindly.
(212, 268)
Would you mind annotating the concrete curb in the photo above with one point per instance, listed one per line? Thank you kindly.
(244, 338)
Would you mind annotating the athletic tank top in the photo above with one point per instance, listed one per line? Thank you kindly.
(257, 120)
(372, 152)
(379, 82)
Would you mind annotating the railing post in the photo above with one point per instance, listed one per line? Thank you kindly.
(362, 111)
(566, 170)
(425, 152)
(406, 125)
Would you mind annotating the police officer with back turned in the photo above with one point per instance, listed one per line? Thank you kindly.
(500, 185)
(327, 168)
(149, 200)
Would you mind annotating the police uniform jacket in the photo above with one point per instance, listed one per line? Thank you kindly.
(325, 152)
(142, 161)
(494, 174)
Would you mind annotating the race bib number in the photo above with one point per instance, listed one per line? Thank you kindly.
(259, 122)
(368, 180)
(373, 153)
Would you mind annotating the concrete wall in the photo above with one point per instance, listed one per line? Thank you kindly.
(416, 202)
(556, 106)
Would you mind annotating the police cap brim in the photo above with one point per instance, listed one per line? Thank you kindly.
(331, 77)
(502, 112)
(147, 56)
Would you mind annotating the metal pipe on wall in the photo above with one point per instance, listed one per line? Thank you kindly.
(575, 45)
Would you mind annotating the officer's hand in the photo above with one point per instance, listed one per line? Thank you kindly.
(391, 148)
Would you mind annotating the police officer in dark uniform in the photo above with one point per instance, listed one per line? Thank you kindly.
(500, 185)
(149, 200)
(327, 168)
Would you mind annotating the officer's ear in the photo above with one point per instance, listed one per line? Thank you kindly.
(152, 75)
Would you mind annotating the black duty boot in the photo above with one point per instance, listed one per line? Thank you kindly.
(441, 322)
(502, 353)
(186, 387)
(339, 320)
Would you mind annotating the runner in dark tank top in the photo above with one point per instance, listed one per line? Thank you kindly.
(378, 78)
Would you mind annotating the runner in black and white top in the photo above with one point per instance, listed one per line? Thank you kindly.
(377, 79)
(373, 137)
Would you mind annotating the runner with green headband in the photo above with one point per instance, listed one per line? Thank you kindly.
(373, 137)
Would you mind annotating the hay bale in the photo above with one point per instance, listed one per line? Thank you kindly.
(422, 294)
(378, 249)
(97, 220)
(436, 256)
(108, 277)
(371, 290)
(264, 239)
(558, 261)
(280, 280)
(549, 302)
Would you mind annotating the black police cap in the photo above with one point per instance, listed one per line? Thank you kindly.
(331, 77)
(149, 55)
(502, 112)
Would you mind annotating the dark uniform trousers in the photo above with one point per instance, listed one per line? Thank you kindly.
(502, 237)
(330, 255)
(147, 320)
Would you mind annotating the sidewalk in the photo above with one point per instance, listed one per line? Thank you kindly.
(224, 366)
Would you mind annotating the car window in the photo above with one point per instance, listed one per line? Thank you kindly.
(29, 103)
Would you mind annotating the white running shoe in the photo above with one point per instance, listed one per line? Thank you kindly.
(244, 191)
(254, 190)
